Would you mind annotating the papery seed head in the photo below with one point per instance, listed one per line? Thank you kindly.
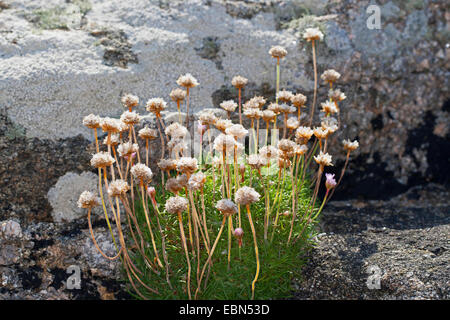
(102, 160)
(148, 134)
(177, 95)
(187, 81)
(118, 187)
(285, 96)
(142, 172)
(130, 101)
(298, 100)
(323, 159)
(92, 121)
(229, 105)
(87, 200)
(176, 204)
(350, 146)
(330, 76)
(237, 131)
(187, 165)
(278, 52)
(239, 82)
(156, 105)
(246, 196)
(313, 34)
(226, 207)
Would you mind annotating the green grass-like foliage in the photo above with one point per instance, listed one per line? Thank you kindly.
(280, 262)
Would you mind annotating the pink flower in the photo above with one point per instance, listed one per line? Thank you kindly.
(238, 233)
(330, 182)
(151, 193)
(201, 128)
(133, 155)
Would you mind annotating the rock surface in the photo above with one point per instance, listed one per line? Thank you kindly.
(63, 59)
(404, 242)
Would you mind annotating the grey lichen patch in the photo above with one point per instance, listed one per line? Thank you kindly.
(246, 9)
(14, 131)
(301, 24)
(63, 196)
(117, 48)
(210, 50)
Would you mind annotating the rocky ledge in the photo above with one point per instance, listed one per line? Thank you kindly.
(396, 249)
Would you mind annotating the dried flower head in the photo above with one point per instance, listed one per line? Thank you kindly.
(176, 131)
(311, 34)
(173, 185)
(127, 148)
(92, 121)
(223, 124)
(178, 146)
(148, 134)
(207, 118)
(303, 134)
(130, 118)
(268, 115)
(237, 131)
(167, 164)
(187, 81)
(329, 107)
(255, 161)
(142, 173)
(268, 153)
(337, 95)
(320, 133)
(229, 105)
(102, 160)
(278, 52)
(110, 125)
(284, 163)
(112, 140)
(155, 106)
(183, 180)
(258, 101)
(118, 187)
(197, 181)
(246, 196)
(300, 149)
(177, 95)
(292, 123)
(130, 101)
(284, 96)
(286, 145)
(251, 104)
(252, 113)
(274, 107)
(187, 165)
(350, 146)
(226, 207)
(284, 108)
(330, 76)
(323, 159)
(224, 143)
(329, 124)
(330, 182)
(176, 204)
(87, 200)
(298, 100)
(239, 82)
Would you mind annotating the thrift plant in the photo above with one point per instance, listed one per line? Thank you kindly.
(232, 211)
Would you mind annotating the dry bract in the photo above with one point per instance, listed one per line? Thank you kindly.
(127, 148)
(237, 131)
(110, 125)
(187, 165)
(285, 96)
(130, 118)
(156, 105)
(298, 100)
